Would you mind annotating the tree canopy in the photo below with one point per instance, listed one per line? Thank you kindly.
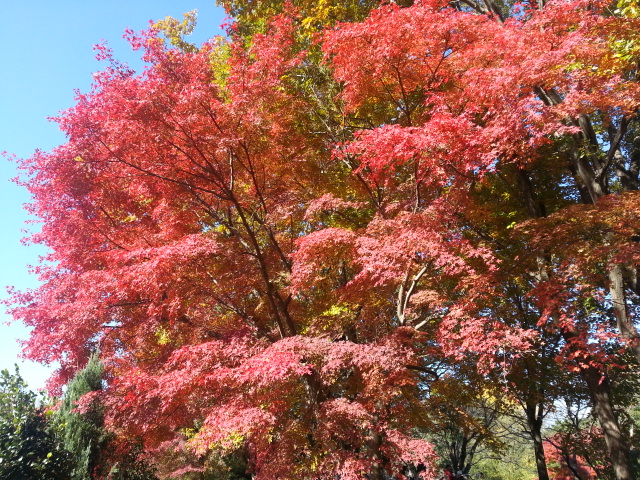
(285, 242)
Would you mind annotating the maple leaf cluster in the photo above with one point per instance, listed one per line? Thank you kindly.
(277, 241)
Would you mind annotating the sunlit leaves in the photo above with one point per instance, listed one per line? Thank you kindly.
(272, 250)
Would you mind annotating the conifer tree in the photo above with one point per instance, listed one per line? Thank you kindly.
(83, 432)
(95, 451)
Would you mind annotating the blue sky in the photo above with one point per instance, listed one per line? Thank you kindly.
(46, 53)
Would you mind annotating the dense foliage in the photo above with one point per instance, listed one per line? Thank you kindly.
(295, 246)
(29, 444)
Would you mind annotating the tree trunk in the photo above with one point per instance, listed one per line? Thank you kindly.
(617, 447)
(625, 325)
(377, 470)
(534, 421)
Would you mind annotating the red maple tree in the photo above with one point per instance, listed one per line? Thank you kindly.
(268, 254)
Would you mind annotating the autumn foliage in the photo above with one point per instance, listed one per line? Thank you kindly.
(274, 239)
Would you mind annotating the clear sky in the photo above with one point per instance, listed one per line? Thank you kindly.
(45, 54)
